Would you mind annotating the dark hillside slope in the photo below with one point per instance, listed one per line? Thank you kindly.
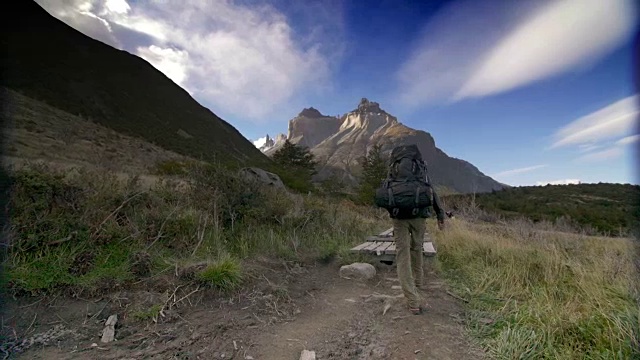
(49, 61)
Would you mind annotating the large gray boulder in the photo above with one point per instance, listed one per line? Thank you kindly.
(262, 176)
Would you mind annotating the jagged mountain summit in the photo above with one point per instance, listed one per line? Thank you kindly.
(267, 143)
(339, 143)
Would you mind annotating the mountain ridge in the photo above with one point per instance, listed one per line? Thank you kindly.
(339, 143)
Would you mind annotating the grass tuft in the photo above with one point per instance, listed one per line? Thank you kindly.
(224, 274)
(151, 313)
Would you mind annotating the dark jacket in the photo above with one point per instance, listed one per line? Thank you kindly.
(424, 212)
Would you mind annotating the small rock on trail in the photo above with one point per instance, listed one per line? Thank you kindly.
(308, 355)
(108, 334)
(360, 271)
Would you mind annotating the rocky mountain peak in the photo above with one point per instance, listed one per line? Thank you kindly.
(366, 106)
(368, 116)
(310, 127)
(310, 113)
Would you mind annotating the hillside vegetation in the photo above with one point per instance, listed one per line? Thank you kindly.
(87, 232)
(602, 208)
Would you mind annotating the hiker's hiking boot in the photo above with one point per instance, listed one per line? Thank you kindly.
(418, 310)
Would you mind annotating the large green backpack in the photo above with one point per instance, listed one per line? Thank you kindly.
(406, 190)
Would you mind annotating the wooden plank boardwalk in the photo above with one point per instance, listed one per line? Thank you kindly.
(383, 246)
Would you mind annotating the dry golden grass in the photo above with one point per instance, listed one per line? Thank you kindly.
(545, 295)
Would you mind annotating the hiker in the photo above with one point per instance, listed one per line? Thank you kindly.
(408, 196)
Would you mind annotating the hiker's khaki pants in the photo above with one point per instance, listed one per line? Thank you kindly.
(409, 235)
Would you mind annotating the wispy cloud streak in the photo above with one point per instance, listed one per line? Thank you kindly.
(523, 170)
(615, 120)
(483, 47)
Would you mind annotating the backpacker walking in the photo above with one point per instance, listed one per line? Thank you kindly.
(408, 196)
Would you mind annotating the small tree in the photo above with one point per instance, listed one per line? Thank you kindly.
(298, 161)
(374, 171)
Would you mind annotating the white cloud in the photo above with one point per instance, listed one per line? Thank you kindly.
(559, 182)
(628, 140)
(615, 120)
(583, 148)
(482, 47)
(519, 171)
(171, 62)
(602, 134)
(242, 60)
(140, 22)
(117, 6)
(80, 14)
(260, 142)
(608, 154)
(555, 39)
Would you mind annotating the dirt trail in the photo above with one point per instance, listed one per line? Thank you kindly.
(285, 310)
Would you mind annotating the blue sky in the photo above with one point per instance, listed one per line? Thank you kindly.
(529, 91)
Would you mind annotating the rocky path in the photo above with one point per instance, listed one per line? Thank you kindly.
(285, 310)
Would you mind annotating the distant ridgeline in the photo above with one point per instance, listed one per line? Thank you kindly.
(608, 208)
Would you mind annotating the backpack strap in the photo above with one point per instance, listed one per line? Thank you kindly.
(415, 210)
(392, 202)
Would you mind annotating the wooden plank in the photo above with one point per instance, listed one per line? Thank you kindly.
(387, 233)
(371, 247)
(361, 246)
(428, 248)
(380, 238)
(391, 249)
(426, 238)
(382, 248)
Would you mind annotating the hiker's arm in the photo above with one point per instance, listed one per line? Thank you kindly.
(438, 207)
